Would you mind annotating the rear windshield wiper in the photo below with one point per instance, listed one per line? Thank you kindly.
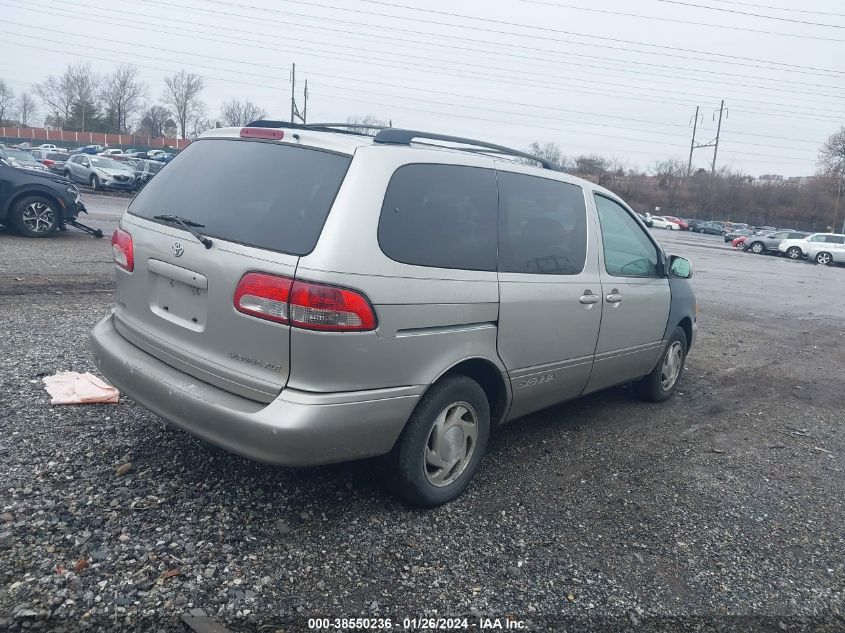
(186, 224)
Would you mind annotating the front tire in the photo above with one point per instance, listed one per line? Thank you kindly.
(701, 231)
(661, 383)
(95, 183)
(824, 259)
(36, 216)
(793, 252)
(758, 248)
(443, 443)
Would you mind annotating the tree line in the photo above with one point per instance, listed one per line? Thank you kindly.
(118, 102)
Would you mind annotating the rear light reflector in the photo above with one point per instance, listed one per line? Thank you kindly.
(329, 308)
(121, 246)
(262, 132)
(304, 304)
(264, 296)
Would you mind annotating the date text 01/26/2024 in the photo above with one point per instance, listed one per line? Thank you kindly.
(415, 624)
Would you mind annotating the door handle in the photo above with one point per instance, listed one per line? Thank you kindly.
(588, 298)
(614, 297)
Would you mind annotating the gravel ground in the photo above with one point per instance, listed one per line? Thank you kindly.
(723, 509)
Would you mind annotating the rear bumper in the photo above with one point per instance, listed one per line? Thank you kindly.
(297, 429)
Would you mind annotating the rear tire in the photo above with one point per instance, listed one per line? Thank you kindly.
(793, 252)
(36, 216)
(442, 445)
(661, 383)
(824, 259)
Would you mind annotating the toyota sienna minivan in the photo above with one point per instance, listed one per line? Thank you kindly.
(305, 294)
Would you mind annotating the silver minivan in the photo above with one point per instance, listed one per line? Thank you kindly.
(304, 294)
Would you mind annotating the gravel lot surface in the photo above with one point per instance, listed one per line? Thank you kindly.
(723, 509)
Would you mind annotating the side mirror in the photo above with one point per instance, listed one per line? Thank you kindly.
(680, 267)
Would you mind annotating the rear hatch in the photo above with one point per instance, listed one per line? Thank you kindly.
(263, 205)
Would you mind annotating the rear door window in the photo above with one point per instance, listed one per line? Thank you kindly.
(442, 216)
(267, 195)
(542, 225)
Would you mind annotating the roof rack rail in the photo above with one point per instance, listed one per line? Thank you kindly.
(339, 128)
(397, 136)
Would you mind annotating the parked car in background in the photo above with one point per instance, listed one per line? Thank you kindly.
(155, 153)
(798, 248)
(88, 149)
(112, 152)
(680, 222)
(731, 235)
(739, 242)
(659, 222)
(646, 220)
(831, 251)
(137, 153)
(21, 158)
(241, 321)
(36, 203)
(54, 161)
(100, 172)
(769, 242)
(145, 170)
(710, 228)
(48, 146)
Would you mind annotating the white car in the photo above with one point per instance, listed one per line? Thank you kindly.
(112, 152)
(662, 223)
(796, 249)
(48, 146)
(831, 251)
(155, 153)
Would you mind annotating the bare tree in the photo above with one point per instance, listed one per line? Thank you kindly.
(364, 121)
(7, 98)
(669, 175)
(58, 95)
(27, 108)
(123, 94)
(832, 154)
(83, 83)
(155, 121)
(239, 113)
(200, 124)
(182, 94)
(548, 151)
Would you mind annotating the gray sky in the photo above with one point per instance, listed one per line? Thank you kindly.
(574, 72)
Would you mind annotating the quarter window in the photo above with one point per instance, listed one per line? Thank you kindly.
(442, 216)
(543, 226)
(628, 251)
(836, 239)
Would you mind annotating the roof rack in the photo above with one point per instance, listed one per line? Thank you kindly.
(396, 136)
(339, 128)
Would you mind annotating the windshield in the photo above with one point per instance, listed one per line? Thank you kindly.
(20, 155)
(260, 194)
(105, 163)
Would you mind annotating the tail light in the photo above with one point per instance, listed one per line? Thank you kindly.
(48, 162)
(121, 246)
(264, 296)
(304, 304)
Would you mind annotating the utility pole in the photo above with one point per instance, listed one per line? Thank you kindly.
(692, 143)
(716, 144)
(294, 111)
(292, 91)
(838, 198)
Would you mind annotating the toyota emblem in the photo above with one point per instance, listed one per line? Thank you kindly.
(177, 249)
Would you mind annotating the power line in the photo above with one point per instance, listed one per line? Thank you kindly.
(545, 58)
(606, 11)
(756, 15)
(612, 41)
(768, 6)
(472, 117)
(497, 77)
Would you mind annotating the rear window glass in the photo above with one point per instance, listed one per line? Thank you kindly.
(266, 195)
(544, 226)
(442, 216)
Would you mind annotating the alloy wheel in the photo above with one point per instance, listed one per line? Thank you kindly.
(38, 217)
